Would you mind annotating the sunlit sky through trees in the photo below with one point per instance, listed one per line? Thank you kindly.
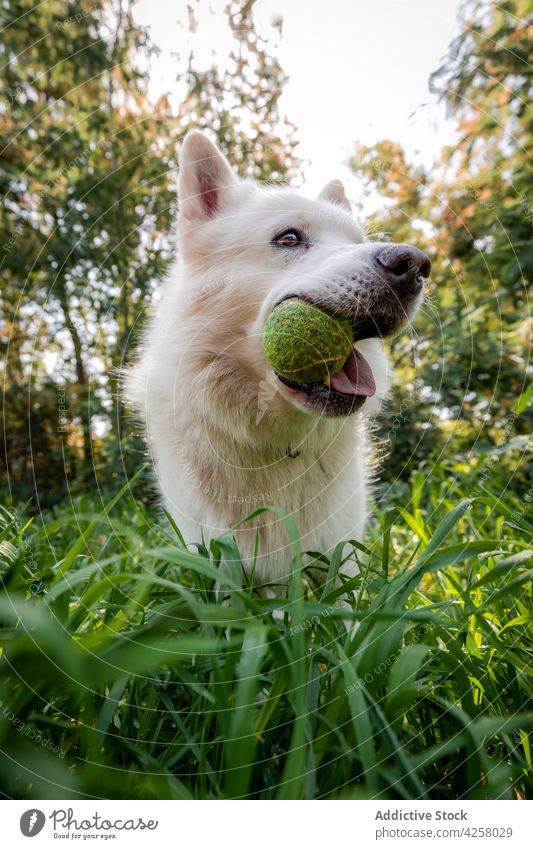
(358, 70)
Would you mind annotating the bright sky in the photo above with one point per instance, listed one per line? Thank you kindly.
(358, 70)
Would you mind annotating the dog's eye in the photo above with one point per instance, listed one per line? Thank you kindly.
(289, 238)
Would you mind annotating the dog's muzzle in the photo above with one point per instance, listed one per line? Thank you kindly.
(405, 268)
(393, 281)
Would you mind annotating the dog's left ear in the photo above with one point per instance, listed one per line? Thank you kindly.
(334, 193)
(204, 176)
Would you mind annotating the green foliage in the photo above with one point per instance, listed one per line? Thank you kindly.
(125, 654)
(465, 365)
(87, 171)
(486, 225)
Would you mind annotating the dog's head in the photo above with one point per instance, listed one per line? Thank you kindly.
(247, 248)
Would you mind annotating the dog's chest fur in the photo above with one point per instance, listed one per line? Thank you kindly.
(318, 481)
(216, 463)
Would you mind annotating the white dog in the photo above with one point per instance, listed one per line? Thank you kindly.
(227, 434)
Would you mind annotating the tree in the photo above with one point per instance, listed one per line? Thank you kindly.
(87, 170)
(486, 222)
(240, 103)
(86, 167)
(465, 367)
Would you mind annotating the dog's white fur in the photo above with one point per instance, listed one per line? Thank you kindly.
(221, 426)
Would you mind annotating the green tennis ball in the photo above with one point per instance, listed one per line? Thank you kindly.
(304, 344)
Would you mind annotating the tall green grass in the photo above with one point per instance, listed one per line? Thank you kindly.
(132, 668)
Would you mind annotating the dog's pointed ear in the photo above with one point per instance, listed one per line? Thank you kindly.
(204, 175)
(334, 193)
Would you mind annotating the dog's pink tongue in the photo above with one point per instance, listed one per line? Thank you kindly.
(355, 377)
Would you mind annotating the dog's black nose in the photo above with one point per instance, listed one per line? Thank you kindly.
(405, 267)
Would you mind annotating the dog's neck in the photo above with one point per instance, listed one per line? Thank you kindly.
(239, 459)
